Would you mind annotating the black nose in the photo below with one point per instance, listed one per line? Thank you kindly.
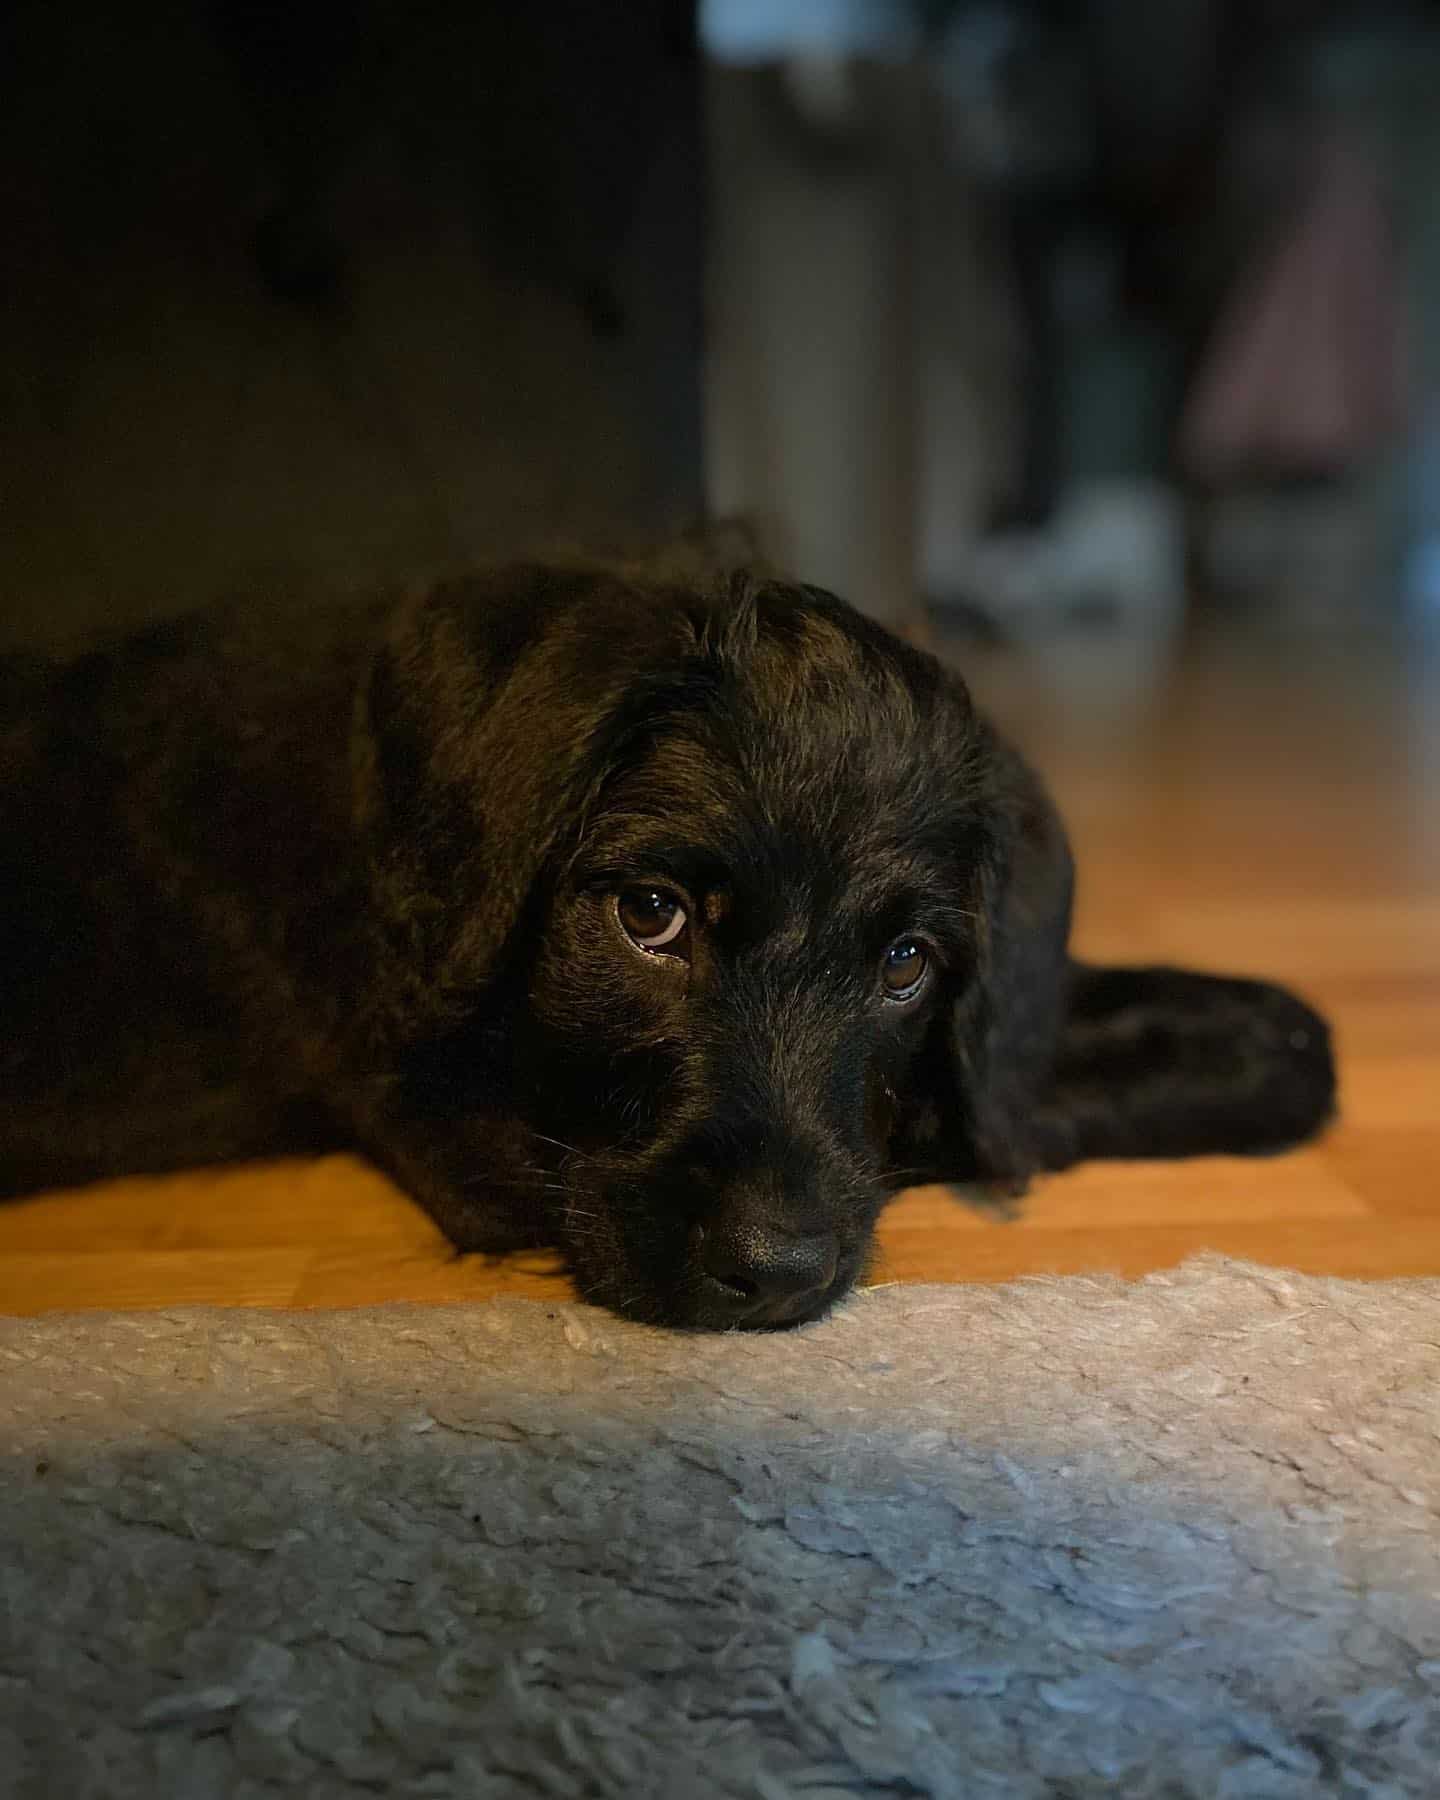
(761, 1268)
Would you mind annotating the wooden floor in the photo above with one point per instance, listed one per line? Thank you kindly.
(1258, 815)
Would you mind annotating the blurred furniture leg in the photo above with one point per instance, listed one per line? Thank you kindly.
(811, 418)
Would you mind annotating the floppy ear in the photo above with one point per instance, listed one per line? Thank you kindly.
(975, 1113)
(473, 730)
(1168, 1062)
(1043, 1062)
(474, 747)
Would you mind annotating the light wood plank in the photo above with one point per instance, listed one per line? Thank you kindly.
(1394, 1171)
(358, 1275)
(1359, 1248)
(262, 1205)
(1212, 1189)
(94, 1278)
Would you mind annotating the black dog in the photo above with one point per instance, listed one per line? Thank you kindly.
(678, 925)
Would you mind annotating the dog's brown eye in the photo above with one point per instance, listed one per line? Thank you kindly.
(653, 919)
(903, 969)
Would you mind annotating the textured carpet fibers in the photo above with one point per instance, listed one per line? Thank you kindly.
(1068, 1537)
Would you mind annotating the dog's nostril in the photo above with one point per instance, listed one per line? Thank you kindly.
(737, 1283)
(756, 1262)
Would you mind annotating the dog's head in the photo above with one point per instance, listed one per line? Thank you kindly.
(718, 896)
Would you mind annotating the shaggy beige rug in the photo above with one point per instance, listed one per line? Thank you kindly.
(1068, 1537)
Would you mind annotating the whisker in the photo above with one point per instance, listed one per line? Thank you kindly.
(560, 1144)
(482, 1184)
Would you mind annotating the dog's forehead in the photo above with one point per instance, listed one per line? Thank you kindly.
(826, 716)
(804, 749)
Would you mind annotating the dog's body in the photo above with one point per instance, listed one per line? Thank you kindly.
(678, 925)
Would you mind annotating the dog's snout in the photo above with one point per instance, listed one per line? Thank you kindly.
(761, 1267)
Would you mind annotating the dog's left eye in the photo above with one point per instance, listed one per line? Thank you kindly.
(903, 969)
(654, 919)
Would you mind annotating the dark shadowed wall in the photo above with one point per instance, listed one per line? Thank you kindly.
(307, 298)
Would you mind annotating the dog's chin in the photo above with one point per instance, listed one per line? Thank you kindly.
(692, 1302)
(707, 1312)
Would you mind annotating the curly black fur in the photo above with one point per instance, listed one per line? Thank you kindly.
(290, 884)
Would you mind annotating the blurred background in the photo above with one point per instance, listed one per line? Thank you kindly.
(306, 297)
(1049, 324)
(1095, 343)
(1064, 325)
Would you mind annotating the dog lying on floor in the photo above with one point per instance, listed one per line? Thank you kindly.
(676, 924)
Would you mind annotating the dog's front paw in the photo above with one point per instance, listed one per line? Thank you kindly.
(488, 1223)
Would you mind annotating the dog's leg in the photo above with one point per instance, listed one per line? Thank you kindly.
(1158, 1062)
(478, 1173)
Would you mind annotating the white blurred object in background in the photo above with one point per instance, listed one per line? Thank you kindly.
(1096, 599)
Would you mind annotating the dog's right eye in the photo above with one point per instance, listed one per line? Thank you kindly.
(654, 919)
(904, 968)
